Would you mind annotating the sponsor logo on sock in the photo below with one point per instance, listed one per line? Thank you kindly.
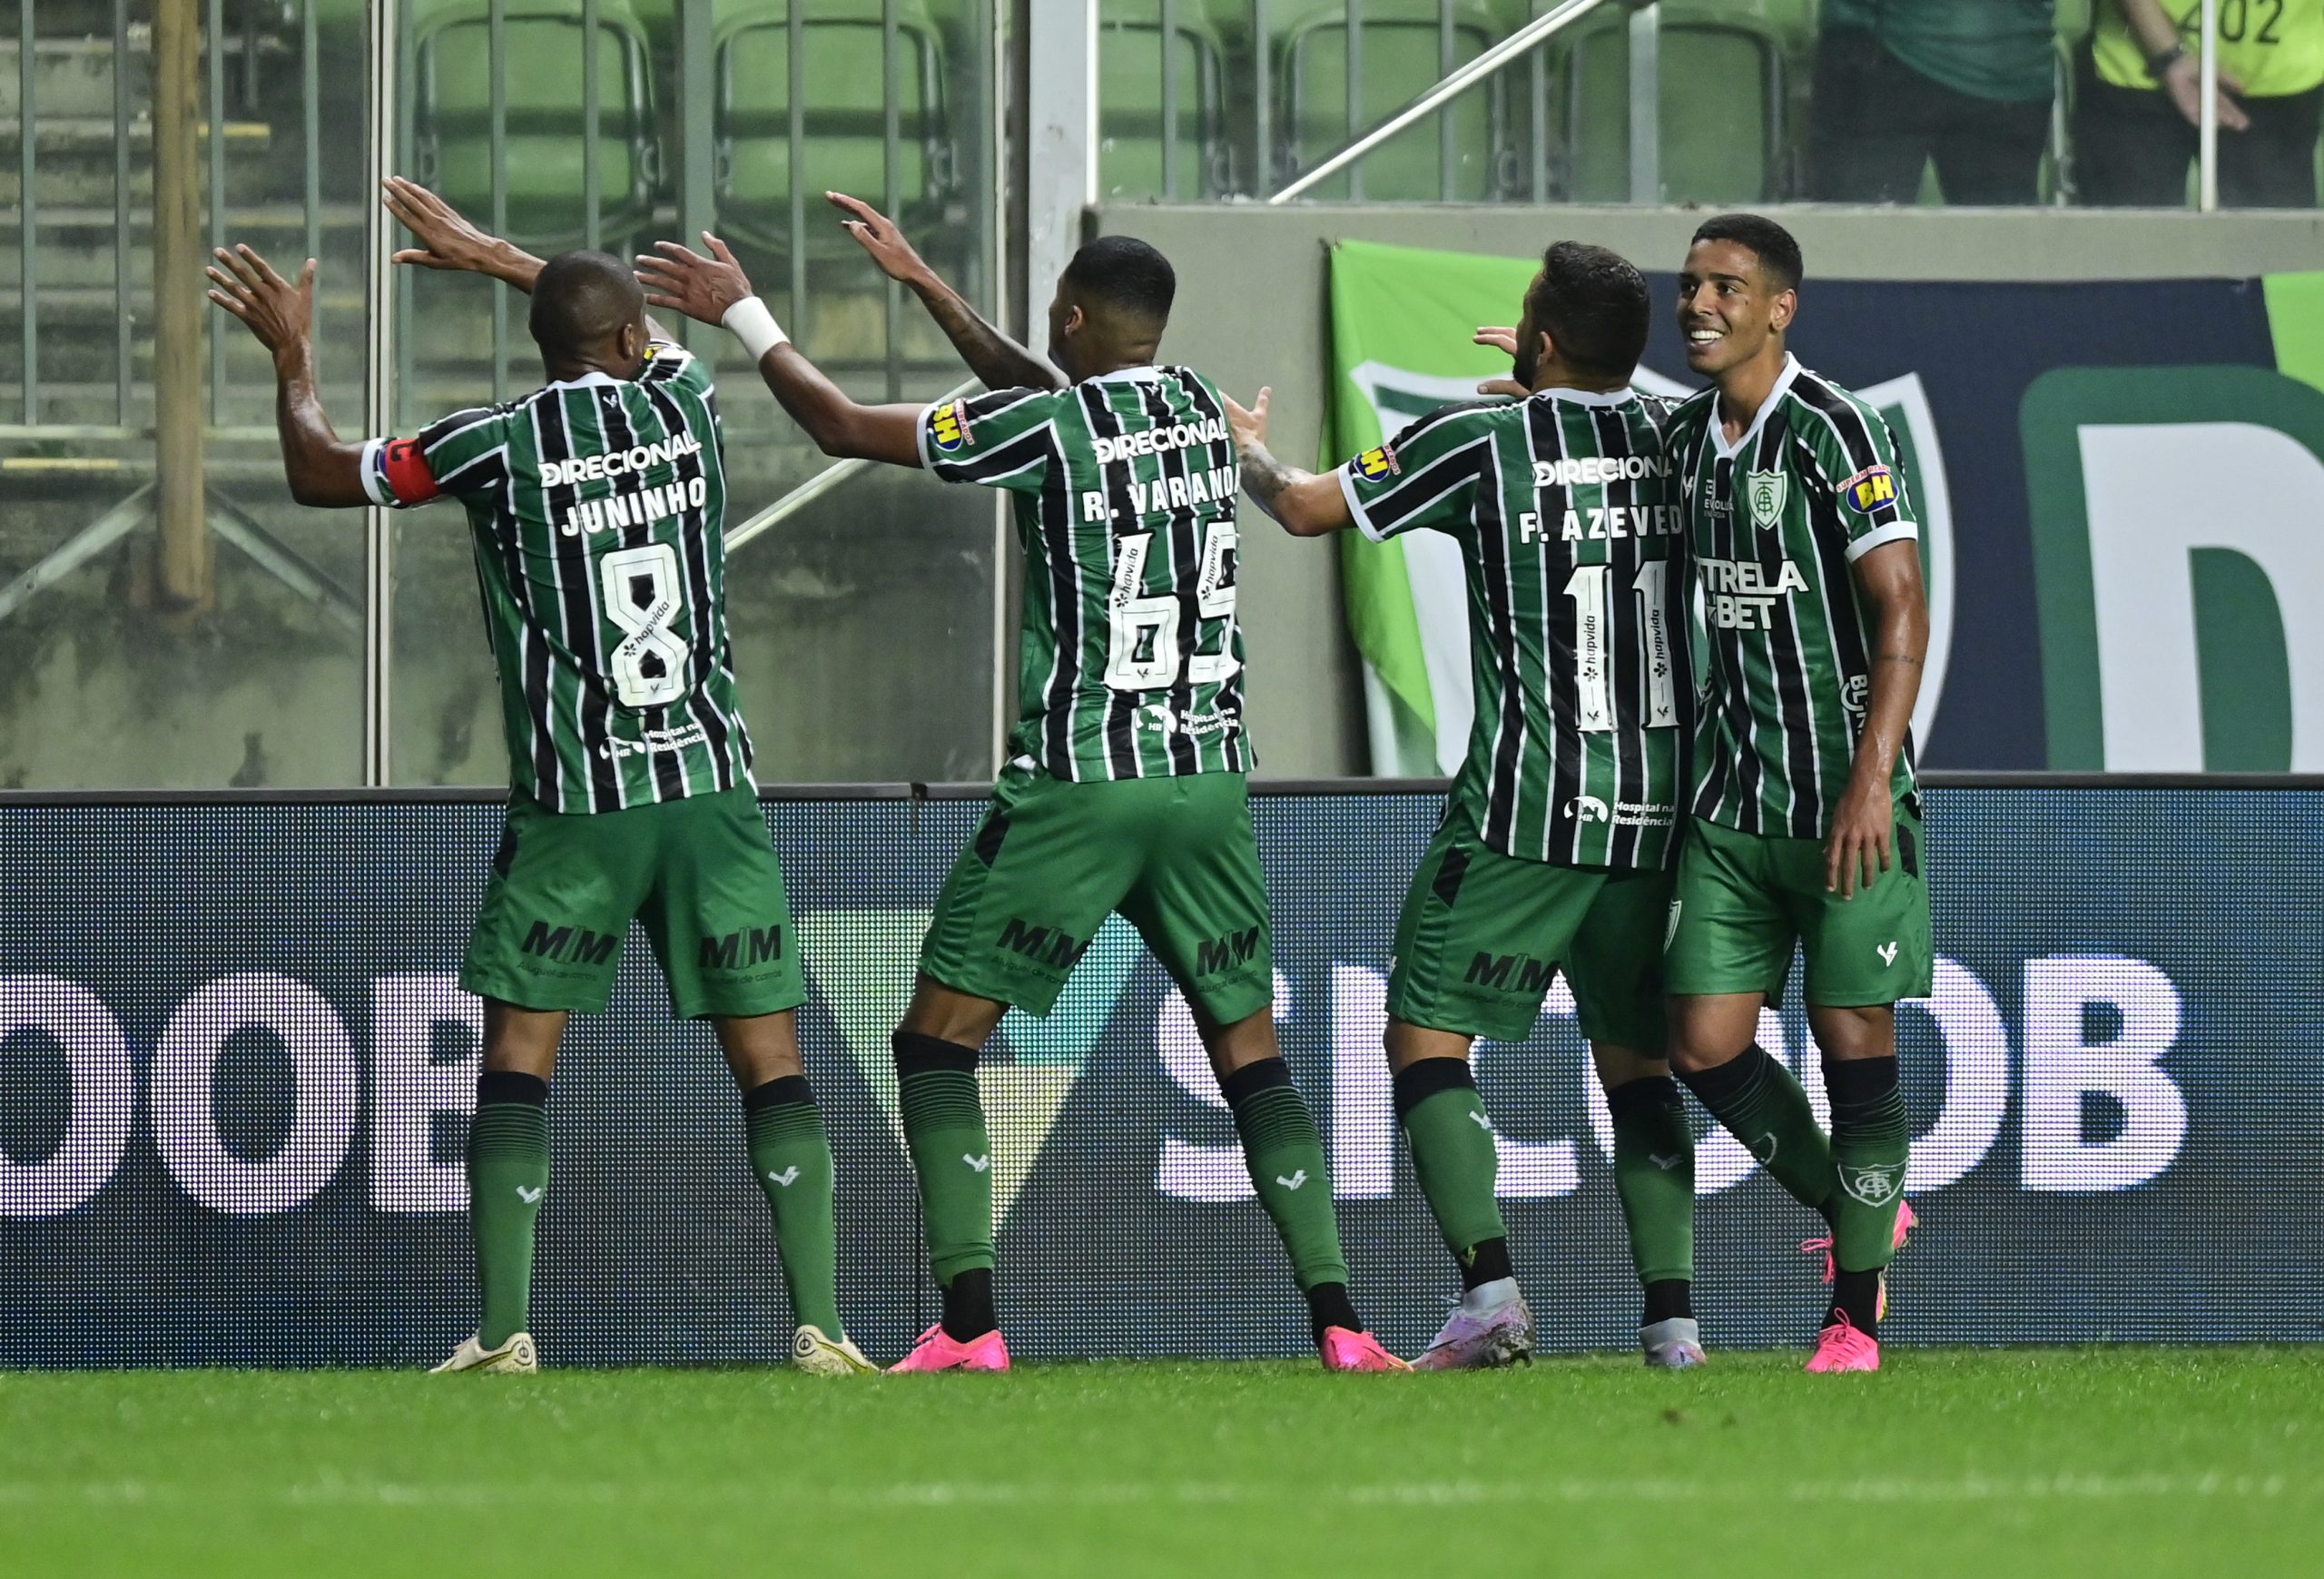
(529, 1196)
(1875, 1185)
(1667, 1163)
(1295, 1181)
(979, 1163)
(785, 1177)
(1768, 1142)
(1887, 952)
(1482, 1122)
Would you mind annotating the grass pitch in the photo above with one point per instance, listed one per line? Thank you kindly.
(1957, 1463)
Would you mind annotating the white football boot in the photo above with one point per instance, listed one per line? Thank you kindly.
(1673, 1345)
(517, 1356)
(1492, 1326)
(817, 1355)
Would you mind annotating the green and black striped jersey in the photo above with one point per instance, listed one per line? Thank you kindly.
(1130, 663)
(597, 509)
(1775, 520)
(1571, 530)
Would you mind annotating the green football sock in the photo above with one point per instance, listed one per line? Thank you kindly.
(1286, 1156)
(1452, 1151)
(792, 1158)
(1871, 1144)
(1654, 1175)
(944, 1130)
(508, 1177)
(1761, 1105)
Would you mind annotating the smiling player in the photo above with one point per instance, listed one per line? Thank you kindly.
(1805, 826)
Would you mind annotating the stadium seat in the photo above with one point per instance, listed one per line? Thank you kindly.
(1731, 68)
(546, 129)
(843, 122)
(1130, 102)
(1402, 53)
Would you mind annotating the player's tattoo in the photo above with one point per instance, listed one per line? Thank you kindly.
(1263, 477)
(992, 356)
(1899, 658)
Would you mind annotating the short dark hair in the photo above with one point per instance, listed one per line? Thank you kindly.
(1594, 305)
(581, 300)
(1125, 272)
(1778, 254)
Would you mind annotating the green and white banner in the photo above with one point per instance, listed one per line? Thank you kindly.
(2116, 528)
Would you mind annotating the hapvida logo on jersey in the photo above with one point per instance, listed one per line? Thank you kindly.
(654, 740)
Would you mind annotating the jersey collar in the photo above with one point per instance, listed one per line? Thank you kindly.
(1719, 446)
(1145, 374)
(593, 377)
(1586, 397)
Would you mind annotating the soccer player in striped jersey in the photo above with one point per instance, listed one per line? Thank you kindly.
(1556, 842)
(1124, 791)
(597, 505)
(1805, 826)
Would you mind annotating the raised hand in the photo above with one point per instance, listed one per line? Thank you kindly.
(677, 276)
(1250, 426)
(446, 240)
(279, 313)
(877, 234)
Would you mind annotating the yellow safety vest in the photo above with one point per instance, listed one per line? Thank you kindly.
(2273, 47)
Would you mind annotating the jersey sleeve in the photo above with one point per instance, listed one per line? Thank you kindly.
(1854, 459)
(668, 363)
(1000, 439)
(466, 452)
(1425, 477)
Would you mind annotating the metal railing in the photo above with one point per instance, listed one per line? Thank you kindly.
(1533, 137)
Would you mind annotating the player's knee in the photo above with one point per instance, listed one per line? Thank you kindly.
(1847, 1033)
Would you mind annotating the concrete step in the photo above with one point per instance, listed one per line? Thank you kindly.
(74, 76)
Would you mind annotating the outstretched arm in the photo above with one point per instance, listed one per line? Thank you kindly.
(322, 469)
(992, 356)
(1888, 579)
(1307, 504)
(449, 242)
(714, 289)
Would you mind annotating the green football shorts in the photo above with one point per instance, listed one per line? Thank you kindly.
(1175, 856)
(1744, 899)
(700, 874)
(1483, 934)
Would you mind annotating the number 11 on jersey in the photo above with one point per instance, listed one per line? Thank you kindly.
(1590, 587)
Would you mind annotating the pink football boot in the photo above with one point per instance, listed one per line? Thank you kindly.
(936, 1351)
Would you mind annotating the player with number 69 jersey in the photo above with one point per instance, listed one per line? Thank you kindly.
(1124, 791)
(1554, 850)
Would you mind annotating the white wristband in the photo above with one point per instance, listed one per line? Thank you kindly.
(754, 326)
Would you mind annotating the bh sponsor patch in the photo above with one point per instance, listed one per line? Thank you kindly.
(1869, 490)
(948, 425)
(1375, 463)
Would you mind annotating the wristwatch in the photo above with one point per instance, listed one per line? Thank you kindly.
(2156, 64)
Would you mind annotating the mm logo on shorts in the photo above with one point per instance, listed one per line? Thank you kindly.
(725, 954)
(1495, 970)
(574, 945)
(1049, 946)
(1215, 954)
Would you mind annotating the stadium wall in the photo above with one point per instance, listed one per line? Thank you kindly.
(1254, 309)
(235, 1071)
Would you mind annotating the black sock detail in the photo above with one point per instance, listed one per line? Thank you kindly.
(1668, 1298)
(783, 1091)
(1488, 1262)
(508, 1085)
(1416, 1083)
(918, 1054)
(1857, 1296)
(1329, 1306)
(1648, 1094)
(968, 1305)
(1856, 1082)
(1714, 1086)
(1254, 1078)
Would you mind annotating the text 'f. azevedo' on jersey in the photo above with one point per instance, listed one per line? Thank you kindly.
(598, 506)
(1131, 663)
(1775, 521)
(1571, 530)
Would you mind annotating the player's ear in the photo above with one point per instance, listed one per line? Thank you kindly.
(1786, 307)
